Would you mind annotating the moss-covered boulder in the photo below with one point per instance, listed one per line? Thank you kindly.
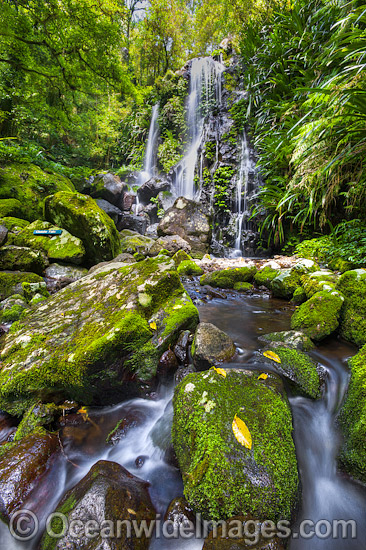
(82, 217)
(211, 346)
(318, 281)
(222, 476)
(189, 267)
(352, 285)
(170, 243)
(242, 533)
(11, 282)
(132, 242)
(226, 278)
(11, 308)
(299, 296)
(352, 419)
(243, 287)
(289, 339)
(64, 247)
(23, 259)
(97, 340)
(265, 276)
(30, 185)
(10, 207)
(180, 257)
(319, 316)
(14, 225)
(107, 493)
(288, 280)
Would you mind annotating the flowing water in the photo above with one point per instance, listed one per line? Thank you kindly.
(326, 494)
(205, 93)
(151, 148)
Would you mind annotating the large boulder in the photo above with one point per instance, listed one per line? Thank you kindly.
(58, 276)
(97, 340)
(65, 247)
(352, 284)
(132, 242)
(151, 189)
(226, 278)
(319, 316)
(187, 219)
(108, 187)
(11, 282)
(133, 222)
(10, 208)
(30, 185)
(288, 280)
(265, 276)
(211, 346)
(172, 244)
(22, 258)
(107, 493)
(110, 209)
(250, 471)
(82, 217)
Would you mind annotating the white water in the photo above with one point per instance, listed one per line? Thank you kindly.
(150, 154)
(242, 191)
(205, 90)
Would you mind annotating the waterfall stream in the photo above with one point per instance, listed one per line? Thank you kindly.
(150, 154)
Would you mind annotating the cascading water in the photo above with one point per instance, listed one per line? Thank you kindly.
(242, 191)
(150, 154)
(205, 91)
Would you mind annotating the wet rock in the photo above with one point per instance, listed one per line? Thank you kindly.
(181, 347)
(134, 242)
(12, 308)
(214, 293)
(222, 475)
(211, 346)
(226, 278)
(182, 372)
(288, 338)
(319, 316)
(82, 217)
(243, 287)
(187, 219)
(128, 201)
(151, 189)
(23, 259)
(180, 514)
(152, 231)
(108, 492)
(7, 426)
(167, 364)
(288, 280)
(152, 211)
(58, 276)
(131, 419)
(140, 461)
(3, 234)
(352, 285)
(243, 533)
(170, 457)
(133, 222)
(22, 468)
(110, 209)
(11, 282)
(172, 244)
(108, 187)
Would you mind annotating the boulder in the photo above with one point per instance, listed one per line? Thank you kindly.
(97, 340)
(352, 285)
(318, 281)
(130, 244)
(23, 259)
(108, 187)
(112, 211)
(133, 222)
(189, 267)
(58, 276)
(30, 185)
(130, 420)
(265, 276)
(289, 339)
(243, 287)
(82, 217)
(243, 533)
(3, 234)
(107, 493)
(10, 208)
(167, 365)
(287, 281)
(226, 278)
(180, 257)
(64, 247)
(13, 225)
(152, 231)
(128, 201)
(187, 219)
(11, 282)
(151, 189)
(11, 308)
(211, 346)
(172, 244)
(251, 470)
(319, 316)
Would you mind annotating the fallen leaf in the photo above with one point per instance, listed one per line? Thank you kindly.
(219, 371)
(153, 325)
(241, 432)
(263, 376)
(131, 511)
(272, 355)
(178, 306)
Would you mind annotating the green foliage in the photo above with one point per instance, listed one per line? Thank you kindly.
(222, 179)
(169, 152)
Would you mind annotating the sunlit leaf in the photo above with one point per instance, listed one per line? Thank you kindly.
(241, 432)
(263, 376)
(272, 355)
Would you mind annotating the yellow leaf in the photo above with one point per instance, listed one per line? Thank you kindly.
(84, 413)
(272, 355)
(241, 432)
(222, 372)
(131, 511)
(153, 325)
(179, 306)
(263, 376)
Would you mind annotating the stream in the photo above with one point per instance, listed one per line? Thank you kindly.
(326, 494)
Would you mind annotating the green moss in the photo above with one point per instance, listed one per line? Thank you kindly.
(12, 314)
(22, 259)
(32, 289)
(220, 475)
(299, 296)
(226, 278)
(300, 369)
(243, 287)
(288, 280)
(180, 257)
(35, 419)
(189, 267)
(352, 419)
(265, 276)
(352, 284)
(319, 316)
(144, 362)
(11, 283)
(13, 224)
(318, 281)
(10, 207)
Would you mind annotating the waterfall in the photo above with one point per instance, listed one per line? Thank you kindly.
(242, 192)
(150, 157)
(205, 91)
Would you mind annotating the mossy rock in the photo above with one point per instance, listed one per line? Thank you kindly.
(352, 284)
(352, 419)
(30, 185)
(288, 280)
(319, 316)
(82, 217)
(289, 339)
(318, 281)
(265, 276)
(136, 243)
(181, 256)
(65, 247)
(30, 290)
(36, 419)
(23, 259)
(189, 267)
(211, 346)
(221, 475)
(11, 282)
(97, 340)
(243, 287)
(226, 278)
(299, 296)
(14, 225)
(12, 308)
(10, 207)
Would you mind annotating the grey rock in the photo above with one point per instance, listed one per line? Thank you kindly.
(112, 211)
(211, 346)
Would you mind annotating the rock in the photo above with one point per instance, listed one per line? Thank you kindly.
(352, 285)
(58, 276)
(318, 281)
(23, 466)
(167, 364)
(108, 187)
(243, 533)
(187, 219)
(123, 258)
(3, 234)
(36, 418)
(82, 217)
(243, 287)
(30, 290)
(352, 419)
(111, 210)
(152, 231)
(223, 478)
(180, 514)
(189, 267)
(64, 247)
(10, 207)
(182, 372)
(131, 419)
(319, 316)
(214, 293)
(106, 493)
(300, 369)
(11, 282)
(181, 256)
(226, 278)
(265, 276)
(128, 201)
(133, 222)
(13, 225)
(299, 296)
(97, 340)
(181, 347)
(287, 281)
(289, 339)
(211, 346)
(23, 259)
(172, 244)
(12, 308)
(151, 189)
(135, 242)
(30, 185)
